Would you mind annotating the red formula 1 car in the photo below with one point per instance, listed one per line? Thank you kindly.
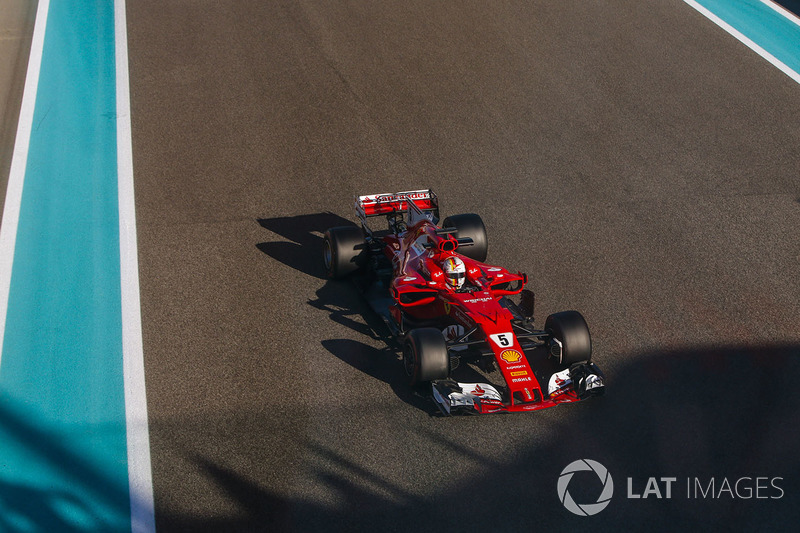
(447, 308)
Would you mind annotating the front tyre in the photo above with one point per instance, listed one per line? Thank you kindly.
(425, 356)
(343, 251)
(569, 337)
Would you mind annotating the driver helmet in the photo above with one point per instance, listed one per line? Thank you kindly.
(454, 271)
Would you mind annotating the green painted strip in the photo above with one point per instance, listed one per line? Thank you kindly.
(63, 456)
(776, 33)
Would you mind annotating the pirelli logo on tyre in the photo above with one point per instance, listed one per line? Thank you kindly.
(511, 356)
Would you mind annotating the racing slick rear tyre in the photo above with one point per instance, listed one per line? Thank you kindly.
(343, 251)
(570, 329)
(425, 356)
(470, 225)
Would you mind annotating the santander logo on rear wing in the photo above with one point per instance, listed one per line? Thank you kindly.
(387, 203)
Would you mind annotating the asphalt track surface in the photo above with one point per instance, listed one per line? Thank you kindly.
(16, 28)
(636, 161)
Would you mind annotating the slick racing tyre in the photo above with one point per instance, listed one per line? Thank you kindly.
(570, 330)
(425, 356)
(470, 225)
(343, 251)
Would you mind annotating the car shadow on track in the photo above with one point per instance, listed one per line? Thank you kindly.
(345, 306)
(303, 252)
(343, 303)
(697, 415)
(382, 364)
(340, 299)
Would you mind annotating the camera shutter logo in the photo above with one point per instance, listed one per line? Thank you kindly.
(585, 509)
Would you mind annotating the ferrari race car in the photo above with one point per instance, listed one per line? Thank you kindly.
(447, 308)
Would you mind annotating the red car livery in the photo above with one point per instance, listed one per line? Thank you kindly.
(477, 325)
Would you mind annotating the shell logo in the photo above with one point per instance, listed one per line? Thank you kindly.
(511, 356)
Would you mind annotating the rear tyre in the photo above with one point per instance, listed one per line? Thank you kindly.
(470, 225)
(569, 328)
(343, 251)
(425, 356)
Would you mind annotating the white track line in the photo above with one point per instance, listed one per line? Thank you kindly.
(19, 162)
(782, 10)
(140, 478)
(745, 40)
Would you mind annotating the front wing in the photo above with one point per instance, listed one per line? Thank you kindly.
(573, 384)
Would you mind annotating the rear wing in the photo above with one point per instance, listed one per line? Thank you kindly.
(390, 203)
(418, 204)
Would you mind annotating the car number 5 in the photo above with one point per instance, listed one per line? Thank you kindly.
(502, 339)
